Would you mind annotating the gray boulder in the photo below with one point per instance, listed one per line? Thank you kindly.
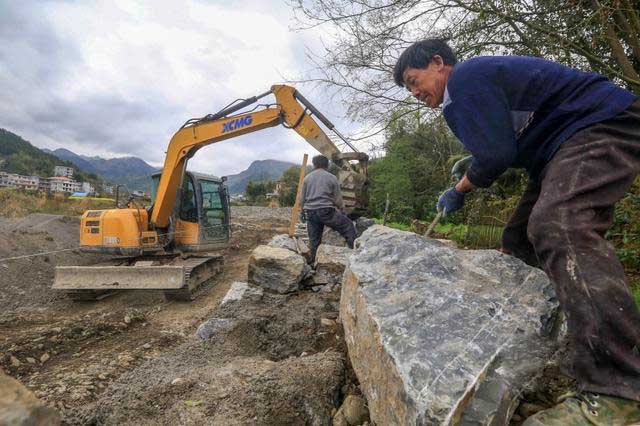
(331, 262)
(239, 291)
(213, 326)
(18, 406)
(438, 335)
(333, 238)
(276, 269)
(284, 241)
(362, 224)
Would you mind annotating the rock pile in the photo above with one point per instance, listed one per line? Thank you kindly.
(438, 335)
(281, 265)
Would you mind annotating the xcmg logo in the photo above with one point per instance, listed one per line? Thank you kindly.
(237, 123)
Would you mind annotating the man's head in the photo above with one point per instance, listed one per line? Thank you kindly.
(424, 69)
(320, 162)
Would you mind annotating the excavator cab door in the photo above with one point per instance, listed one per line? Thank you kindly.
(214, 216)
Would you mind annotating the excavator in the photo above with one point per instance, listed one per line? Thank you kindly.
(174, 245)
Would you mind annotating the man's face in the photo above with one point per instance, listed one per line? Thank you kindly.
(427, 84)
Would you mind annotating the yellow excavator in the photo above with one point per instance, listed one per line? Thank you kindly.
(171, 246)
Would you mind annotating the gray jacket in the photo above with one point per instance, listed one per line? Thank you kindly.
(320, 190)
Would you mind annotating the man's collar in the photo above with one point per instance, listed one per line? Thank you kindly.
(446, 99)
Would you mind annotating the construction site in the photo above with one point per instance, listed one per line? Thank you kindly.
(443, 230)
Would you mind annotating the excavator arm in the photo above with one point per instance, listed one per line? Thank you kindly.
(290, 110)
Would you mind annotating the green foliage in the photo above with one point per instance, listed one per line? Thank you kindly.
(257, 191)
(452, 232)
(396, 225)
(290, 177)
(625, 232)
(415, 169)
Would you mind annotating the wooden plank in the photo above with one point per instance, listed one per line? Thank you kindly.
(296, 206)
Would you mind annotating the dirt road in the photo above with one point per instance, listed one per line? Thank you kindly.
(71, 353)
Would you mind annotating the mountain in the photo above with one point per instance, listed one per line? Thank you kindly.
(19, 156)
(130, 171)
(258, 170)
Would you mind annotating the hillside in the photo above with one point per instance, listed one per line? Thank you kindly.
(133, 172)
(19, 156)
(258, 170)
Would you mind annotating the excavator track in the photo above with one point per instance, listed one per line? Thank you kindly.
(179, 277)
(198, 272)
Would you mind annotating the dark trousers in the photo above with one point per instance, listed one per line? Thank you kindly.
(560, 225)
(319, 218)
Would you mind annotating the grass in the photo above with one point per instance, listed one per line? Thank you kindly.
(17, 204)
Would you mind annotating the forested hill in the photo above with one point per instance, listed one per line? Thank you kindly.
(19, 156)
(133, 172)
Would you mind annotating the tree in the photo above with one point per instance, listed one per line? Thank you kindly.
(415, 169)
(289, 190)
(257, 191)
(368, 35)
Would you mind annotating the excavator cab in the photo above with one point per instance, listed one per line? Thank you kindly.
(202, 216)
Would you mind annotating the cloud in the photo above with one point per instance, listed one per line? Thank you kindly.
(116, 78)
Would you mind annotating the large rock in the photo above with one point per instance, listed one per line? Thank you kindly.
(362, 224)
(283, 241)
(438, 335)
(239, 291)
(276, 269)
(18, 406)
(333, 238)
(331, 262)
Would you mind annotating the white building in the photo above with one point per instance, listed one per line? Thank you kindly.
(87, 187)
(63, 184)
(63, 171)
(12, 180)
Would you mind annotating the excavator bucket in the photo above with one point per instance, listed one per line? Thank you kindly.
(179, 278)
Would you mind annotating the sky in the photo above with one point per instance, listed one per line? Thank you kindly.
(118, 78)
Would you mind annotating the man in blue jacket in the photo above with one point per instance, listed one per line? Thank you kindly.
(578, 136)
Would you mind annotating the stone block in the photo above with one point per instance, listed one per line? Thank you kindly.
(19, 407)
(276, 269)
(331, 262)
(438, 335)
(283, 241)
(240, 290)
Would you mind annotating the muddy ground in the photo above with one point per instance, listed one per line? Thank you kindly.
(134, 357)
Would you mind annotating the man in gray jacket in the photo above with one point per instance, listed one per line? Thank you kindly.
(322, 204)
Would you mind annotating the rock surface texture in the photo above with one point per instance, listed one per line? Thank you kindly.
(276, 269)
(18, 406)
(438, 335)
(283, 241)
(331, 262)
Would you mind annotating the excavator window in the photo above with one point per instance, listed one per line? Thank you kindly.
(213, 212)
(188, 205)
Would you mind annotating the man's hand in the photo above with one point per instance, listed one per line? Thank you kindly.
(450, 201)
(302, 217)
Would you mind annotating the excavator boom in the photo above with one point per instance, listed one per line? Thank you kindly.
(196, 134)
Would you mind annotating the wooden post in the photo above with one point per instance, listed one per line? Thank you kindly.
(386, 211)
(296, 207)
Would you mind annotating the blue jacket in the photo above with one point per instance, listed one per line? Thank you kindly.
(515, 111)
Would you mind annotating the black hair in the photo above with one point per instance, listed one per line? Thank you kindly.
(320, 162)
(419, 54)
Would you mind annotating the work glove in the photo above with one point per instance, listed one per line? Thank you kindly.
(450, 201)
(302, 217)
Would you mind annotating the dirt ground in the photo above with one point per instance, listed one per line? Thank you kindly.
(93, 359)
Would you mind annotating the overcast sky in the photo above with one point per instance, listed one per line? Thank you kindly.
(117, 78)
